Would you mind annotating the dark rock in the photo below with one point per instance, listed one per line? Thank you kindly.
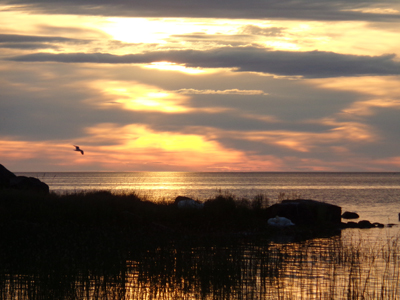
(350, 215)
(10, 180)
(351, 225)
(306, 212)
(28, 184)
(5, 176)
(365, 224)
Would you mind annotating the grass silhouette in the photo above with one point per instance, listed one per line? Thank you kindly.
(98, 245)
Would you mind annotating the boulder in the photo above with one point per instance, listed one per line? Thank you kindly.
(350, 215)
(280, 222)
(350, 225)
(5, 176)
(181, 198)
(365, 224)
(28, 184)
(10, 180)
(306, 212)
(186, 202)
(379, 225)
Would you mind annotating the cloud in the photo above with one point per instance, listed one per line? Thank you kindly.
(220, 92)
(18, 38)
(265, 31)
(15, 41)
(311, 64)
(242, 9)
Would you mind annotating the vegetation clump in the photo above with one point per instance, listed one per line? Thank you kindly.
(127, 213)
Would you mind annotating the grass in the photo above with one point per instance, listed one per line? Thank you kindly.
(129, 212)
(97, 245)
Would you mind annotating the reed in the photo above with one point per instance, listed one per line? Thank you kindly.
(96, 245)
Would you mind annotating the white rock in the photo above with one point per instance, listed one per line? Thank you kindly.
(190, 204)
(280, 222)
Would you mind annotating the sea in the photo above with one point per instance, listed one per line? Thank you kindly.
(374, 196)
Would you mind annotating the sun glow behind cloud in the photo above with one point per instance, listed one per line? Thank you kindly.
(139, 97)
(147, 30)
(136, 144)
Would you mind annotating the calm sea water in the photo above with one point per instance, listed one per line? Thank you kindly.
(375, 196)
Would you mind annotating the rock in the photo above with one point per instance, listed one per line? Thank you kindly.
(5, 176)
(365, 224)
(379, 225)
(28, 184)
(186, 202)
(350, 225)
(10, 180)
(350, 215)
(280, 222)
(306, 212)
(181, 198)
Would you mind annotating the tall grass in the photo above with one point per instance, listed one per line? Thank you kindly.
(103, 246)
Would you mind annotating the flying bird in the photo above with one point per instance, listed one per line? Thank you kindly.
(77, 149)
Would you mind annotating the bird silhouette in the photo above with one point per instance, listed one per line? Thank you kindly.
(77, 149)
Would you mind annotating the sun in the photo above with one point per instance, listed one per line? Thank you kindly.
(142, 30)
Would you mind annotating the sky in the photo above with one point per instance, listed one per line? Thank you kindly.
(200, 86)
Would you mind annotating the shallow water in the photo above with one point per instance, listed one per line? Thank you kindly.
(337, 267)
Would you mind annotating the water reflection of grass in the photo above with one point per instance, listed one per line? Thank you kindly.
(100, 246)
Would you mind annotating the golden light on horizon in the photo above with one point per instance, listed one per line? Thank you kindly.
(138, 143)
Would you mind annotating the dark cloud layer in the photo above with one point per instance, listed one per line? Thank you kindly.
(17, 38)
(312, 64)
(16, 41)
(253, 9)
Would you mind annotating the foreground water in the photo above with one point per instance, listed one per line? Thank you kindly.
(352, 264)
(243, 268)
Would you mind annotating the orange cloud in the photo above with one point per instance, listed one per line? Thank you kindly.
(384, 92)
(342, 132)
(43, 155)
(139, 97)
(390, 161)
(366, 108)
(386, 86)
(137, 144)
